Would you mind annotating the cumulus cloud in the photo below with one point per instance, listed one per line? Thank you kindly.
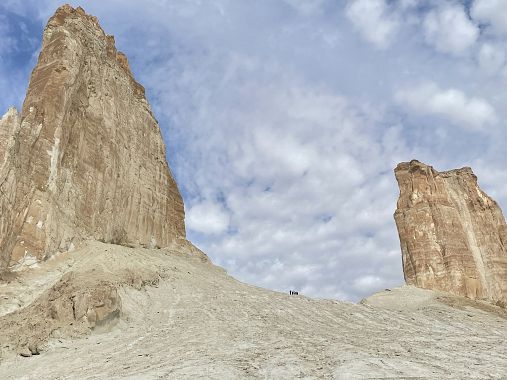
(207, 218)
(303, 206)
(492, 13)
(282, 130)
(449, 29)
(368, 283)
(491, 57)
(450, 103)
(373, 19)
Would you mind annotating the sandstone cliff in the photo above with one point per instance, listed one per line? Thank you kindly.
(453, 236)
(85, 158)
(8, 128)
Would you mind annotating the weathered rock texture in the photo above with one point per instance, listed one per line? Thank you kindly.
(9, 124)
(453, 236)
(85, 159)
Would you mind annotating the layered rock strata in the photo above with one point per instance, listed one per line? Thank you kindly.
(85, 158)
(453, 235)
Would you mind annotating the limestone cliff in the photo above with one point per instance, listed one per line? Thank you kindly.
(85, 158)
(453, 236)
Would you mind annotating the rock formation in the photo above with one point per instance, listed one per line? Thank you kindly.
(8, 126)
(453, 236)
(85, 158)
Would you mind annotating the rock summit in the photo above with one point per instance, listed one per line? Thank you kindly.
(84, 159)
(453, 235)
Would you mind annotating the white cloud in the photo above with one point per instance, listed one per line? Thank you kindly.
(207, 218)
(449, 29)
(491, 57)
(307, 7)
(492, 13)
(408, 4)
(373, 19)
(294, 181)
(368, 283)
(453, 104)
(286, 127)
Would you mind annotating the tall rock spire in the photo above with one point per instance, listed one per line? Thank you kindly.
(85, 159)
(453, 235)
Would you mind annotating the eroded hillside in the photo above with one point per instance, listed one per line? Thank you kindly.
(182, 317)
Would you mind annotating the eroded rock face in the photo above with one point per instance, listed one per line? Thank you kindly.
(9, 123)
(76, 304)
(453, 236)
(85, 159)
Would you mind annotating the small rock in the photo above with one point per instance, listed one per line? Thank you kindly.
(24, 352)
(34, 350)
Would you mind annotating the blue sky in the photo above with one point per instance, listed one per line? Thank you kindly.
(284, 119)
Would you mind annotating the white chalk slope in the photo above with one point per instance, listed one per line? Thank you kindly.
(198, 322)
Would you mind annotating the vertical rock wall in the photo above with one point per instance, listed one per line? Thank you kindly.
(85, 159)
(453, 236)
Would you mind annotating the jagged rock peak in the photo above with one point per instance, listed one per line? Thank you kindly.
(67, 15)
(85, 159)
(453, 236)
(11, 112)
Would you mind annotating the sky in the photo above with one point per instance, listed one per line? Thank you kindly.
(284, 119)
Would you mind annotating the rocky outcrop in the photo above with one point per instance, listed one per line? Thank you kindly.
(9, 124)
(89, 289)
(453, 236)
(85, 158)
(72, 307)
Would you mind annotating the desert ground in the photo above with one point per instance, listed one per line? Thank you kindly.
(182, 317)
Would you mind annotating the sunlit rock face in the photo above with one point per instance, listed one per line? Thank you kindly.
(453, 235)
(85, 158)
(9, 124)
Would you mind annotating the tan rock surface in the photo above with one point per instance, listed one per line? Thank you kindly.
(88, 160)
(9, 124)
(453, 235)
